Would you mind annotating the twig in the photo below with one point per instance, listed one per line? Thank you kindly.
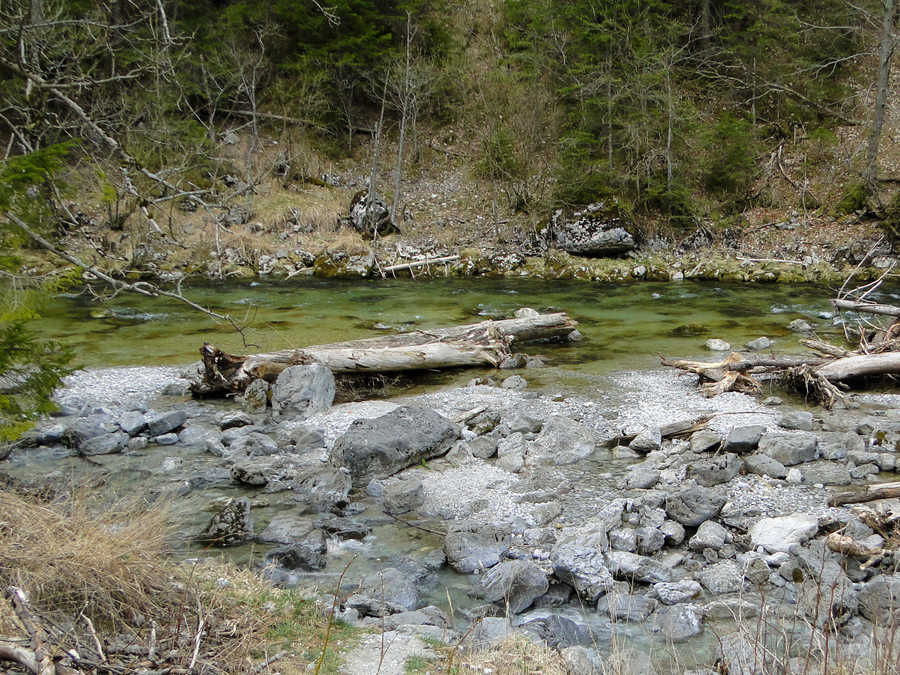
(151, 648)
(413, 525)
(268, 662)
(200, 624)
(420, 263)
(90, 625)
(771, 260)
(331, 616)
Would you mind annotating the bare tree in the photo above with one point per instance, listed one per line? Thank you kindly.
(885, 56)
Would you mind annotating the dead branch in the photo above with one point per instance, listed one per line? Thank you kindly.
(139, 287)
(867, 307)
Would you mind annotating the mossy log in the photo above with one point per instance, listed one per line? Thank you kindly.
(483, 344)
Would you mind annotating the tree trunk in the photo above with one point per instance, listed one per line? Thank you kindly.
(482, 344)
(886, 53)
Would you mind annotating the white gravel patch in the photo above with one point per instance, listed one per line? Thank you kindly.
(450, 493)
(123, 388)
(658, 397)
(336, 420)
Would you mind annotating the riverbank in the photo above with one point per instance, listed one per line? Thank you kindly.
(517, 514)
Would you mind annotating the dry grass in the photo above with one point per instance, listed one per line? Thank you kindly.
(63, 557)
(76, 559)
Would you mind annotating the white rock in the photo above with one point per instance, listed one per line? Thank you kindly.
(779, 534)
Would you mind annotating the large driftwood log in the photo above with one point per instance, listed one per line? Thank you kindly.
(862, 365)
(483, 344)
(873, 493)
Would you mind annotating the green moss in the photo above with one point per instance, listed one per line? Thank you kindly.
(854, 199)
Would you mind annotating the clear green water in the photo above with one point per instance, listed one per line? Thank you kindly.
(625, 326)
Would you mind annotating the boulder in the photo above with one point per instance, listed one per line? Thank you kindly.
(483, 447)
(722, 577)
(132, 422)
(826, 473)
(717, 345)
(673, 532)
(321, 487)
(380, 447)
(301, 391)
(402, 496)
(233, 419)
(307, 554)
(879, 600)
(371, 217)
(558, 632)
(763, 465)
(230, 525)
(743, 439)
(599, 230)
(715, 470)
(386, 592)
(705, 441)
(105, 444)
(252, 444)
(641, 478)
(649, 540)
(578, 560)
(84, 428)
(632, 567)
(827, 595)
(779, 534)
(800, 420)
(473, 546)
(693, 506)
(674, 592)
(758, 344)
(516, 582)
(487, 632)
(789, 448)
(710, 535)
(561, 441)
(679, 622)
(162, 423)
(628, 607)
(285, 528)
(646, 441)
(623, 539)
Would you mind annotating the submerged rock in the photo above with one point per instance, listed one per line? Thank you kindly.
(473, 546)
(386, 592)
(231, 525)
(307, 554)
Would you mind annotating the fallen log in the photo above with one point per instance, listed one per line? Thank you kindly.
(862, 365)
(874, 492)
(483, 344)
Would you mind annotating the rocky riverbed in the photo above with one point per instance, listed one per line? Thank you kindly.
(475, 512)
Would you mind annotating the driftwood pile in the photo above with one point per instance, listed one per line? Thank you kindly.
(821, 376)
(482, 344)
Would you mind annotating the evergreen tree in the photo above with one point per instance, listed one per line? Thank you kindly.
(30, 368)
